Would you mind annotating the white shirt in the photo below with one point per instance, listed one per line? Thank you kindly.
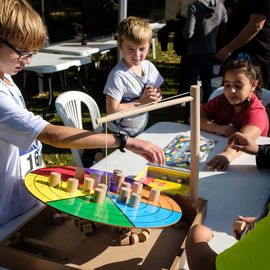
(19, 150)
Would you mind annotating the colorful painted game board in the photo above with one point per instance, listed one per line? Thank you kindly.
(112, 212)
(177, 152)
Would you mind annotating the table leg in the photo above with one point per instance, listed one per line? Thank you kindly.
(50, 98)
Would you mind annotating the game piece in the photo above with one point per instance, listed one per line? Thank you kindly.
(126, 184)
(135, 230)
(76, 221)
(125, 231)
(146, 230)
(119, 179)
(72, 185)
(105, 179)
(125, 240)
(103, 186)
(65, 216)
(87, 228)
(79, 174)
(99, 195)
(115, 172)
(95, 177)
(143, 236)
(57, 219)
(134, 239)
(97, 225)
(135, 200)
(54, 179)
(239, 225)
(88, 184)
(154, 195)
(137, 187)
(124, 195)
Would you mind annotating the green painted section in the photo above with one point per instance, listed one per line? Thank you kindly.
(107, 212)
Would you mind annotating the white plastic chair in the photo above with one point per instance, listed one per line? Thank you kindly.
(265, 97)
(69, 107)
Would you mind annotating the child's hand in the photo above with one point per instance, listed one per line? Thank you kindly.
(218, 163)
(150, 94)
(239, 142)
(226, 130)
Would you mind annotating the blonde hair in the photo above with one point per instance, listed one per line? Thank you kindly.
(135, 29)
(21, 25)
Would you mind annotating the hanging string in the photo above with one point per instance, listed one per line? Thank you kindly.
(106, 154)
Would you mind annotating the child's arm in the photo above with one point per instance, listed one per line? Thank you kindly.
(211, 126)
(221, 161)
(199, 254)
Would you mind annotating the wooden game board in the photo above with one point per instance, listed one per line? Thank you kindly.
(111, 212)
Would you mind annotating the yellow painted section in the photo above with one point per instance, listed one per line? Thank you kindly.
(38, 185)
(169, 186)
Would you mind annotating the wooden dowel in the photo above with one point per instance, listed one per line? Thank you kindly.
(142, 109)
(194, 142)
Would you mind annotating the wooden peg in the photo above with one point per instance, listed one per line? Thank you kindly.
(79, 174)
(72, 185)
(103, 186)
(124, 194)
(137, 187)
(119, 179)
(154, 195)
(95, 177)
(126, 185)
(134, 238)
(105, 179)
(88, 184)
(99, 195)
(87, 228)
(135, 200)
(124, 240)
(143, 236)
(115, 172)
(54, 179)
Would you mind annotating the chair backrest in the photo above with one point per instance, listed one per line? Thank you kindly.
(69, 107)
(265, 97)
(216, 92)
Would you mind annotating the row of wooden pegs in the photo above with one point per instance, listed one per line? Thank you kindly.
(128, 193)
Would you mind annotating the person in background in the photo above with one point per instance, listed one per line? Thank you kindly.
(22, 34)
(134, 81)
(237, 109)
(205, 20)
(251, 251)
(248, 31)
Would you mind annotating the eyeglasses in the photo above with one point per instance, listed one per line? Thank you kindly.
(23, 56)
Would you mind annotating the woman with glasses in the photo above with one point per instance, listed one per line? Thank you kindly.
(22, 34)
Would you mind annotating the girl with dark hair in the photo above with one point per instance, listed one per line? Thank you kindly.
(237, 109)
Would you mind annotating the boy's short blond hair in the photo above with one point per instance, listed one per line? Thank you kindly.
(135, 29)
(21, 25)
